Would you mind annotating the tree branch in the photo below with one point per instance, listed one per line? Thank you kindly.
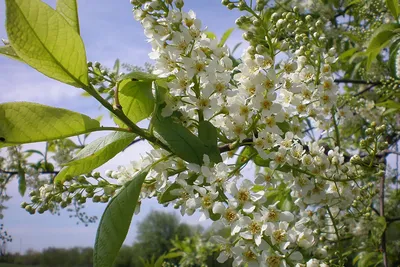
(356, 81)
(16, 172)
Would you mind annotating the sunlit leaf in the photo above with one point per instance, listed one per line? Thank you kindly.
(225, 37)
(69, 10)
(43, 39)
(136, 100)
(8, 51)
(25, 122)
(96, 154)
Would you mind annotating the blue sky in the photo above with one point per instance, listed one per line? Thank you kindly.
(109, 32)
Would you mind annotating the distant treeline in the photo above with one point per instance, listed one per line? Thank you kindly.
(53, 257)
(157, 235)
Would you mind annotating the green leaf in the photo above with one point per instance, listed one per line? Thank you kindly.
(115, 222)
(179, 139)
(34, 151)
(21, 181)
(116, 66)
(136, 99)
(208, 135)
(347, 54)
(394, 57)
(225, 37)
(96, 154)
(43, 39)
(393, 6)
(244, 155)
(139, 76)
(380, 39)
(210, 35)
(167, 196)
(8, 51)
(389, 104)
(25, 122)
(69, 10)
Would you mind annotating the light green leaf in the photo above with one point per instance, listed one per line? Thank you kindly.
(136, 99)
(8, 51)
(210, 35)
(179, 139)
(138, 76)
(69, 10)
(25, 122)
(115, 222)
(96, 154)
(43, 39)
(103, 147)
(116, 66)
(347, 54)
(225, 37)
(208, 135)
(379, 40)
(389, 104)
(393, 6)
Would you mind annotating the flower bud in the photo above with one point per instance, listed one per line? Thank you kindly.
(179, 4)
(275, 16)
(381, 129)
(96, 199)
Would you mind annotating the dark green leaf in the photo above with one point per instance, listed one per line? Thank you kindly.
(21, 181)
(167, 196)
(393, 6)
(208, 135)
(115, 222)
(179, 139)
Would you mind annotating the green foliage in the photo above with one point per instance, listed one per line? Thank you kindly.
(138, 76)
(380, 39)
(178, 138)
(69, 10)
(156, 233)
(225, 36)
(136, 99)
(24, 122)
(8, 51)
(49, 43)
(21, 181)
(394, 8)
(96, 154)
(208, 135)
(115, 222)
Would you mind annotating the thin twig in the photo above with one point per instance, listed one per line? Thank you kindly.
(16, 172)
(356, 81)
